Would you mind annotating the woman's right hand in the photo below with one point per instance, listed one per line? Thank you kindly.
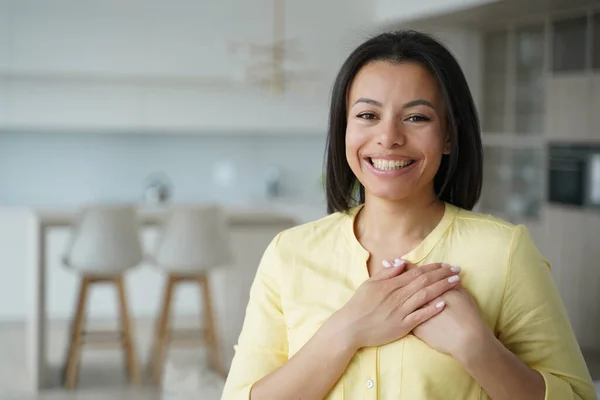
(392, 303)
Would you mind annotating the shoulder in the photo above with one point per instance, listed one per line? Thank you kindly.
(493, 234)
(313, 240)
(322, 230)
(485, 227)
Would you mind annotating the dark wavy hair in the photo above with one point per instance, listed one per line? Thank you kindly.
(459, 177)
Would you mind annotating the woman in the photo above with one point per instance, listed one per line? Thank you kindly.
(402, 292)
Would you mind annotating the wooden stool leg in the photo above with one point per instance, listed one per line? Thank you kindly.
(72, 367)
(161, 332)
(210, 326)
(128, 342)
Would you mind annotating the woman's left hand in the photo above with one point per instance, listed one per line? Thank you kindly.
(458, 329)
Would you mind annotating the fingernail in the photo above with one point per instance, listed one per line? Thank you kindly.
(445, 265)
(453, 279)
(455, 269)
(398, 262)
(440, 305)
(386, 263)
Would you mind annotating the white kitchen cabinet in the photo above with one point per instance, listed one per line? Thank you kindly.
(550, 240)
(594, 132)
(569, 246)
(512, 182)
(495, 81)
(596, 41)
(589, 284)
(568, 107)
(573, 105)
(569, 44)
(496, 177)
(552, 249)
(570, 265)
(528, 107)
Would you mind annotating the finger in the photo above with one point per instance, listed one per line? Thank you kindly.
(409, 265)
(430, 292)
(389, 270)
(423, 314)
(410, 275)
(442, 265)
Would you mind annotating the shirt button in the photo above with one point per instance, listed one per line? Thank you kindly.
(370, 384)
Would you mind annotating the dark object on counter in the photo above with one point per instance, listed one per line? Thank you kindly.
(157, 189)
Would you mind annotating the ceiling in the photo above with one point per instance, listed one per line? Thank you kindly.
(505, 11)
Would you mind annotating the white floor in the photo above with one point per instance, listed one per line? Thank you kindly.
(102, 370)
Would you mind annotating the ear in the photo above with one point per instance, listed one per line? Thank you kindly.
(447, 144)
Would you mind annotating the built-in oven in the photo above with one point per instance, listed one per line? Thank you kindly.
(574, 174)
(593, 190)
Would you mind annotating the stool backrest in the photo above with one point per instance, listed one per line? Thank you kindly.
(194, 239)
(106, 239)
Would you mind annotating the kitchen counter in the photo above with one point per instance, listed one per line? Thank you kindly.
(240, 212)
(237, 217)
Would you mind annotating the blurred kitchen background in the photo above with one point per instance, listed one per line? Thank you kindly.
(159, 104)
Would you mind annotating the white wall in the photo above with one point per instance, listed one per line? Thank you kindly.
(13, 256)
(60, 169)
(137, 64)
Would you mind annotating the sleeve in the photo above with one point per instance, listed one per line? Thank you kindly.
(534, 325)
(262, 345)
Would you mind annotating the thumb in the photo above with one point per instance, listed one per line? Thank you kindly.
(390, 269)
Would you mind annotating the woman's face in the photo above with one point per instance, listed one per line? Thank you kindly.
(396, 133)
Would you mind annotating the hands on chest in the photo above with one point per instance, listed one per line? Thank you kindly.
(427, 301)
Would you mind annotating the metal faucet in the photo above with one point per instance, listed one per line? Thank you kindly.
(157, 189)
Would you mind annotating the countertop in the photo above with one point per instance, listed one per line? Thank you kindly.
(247, 213)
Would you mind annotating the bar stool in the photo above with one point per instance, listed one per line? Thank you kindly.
(195, 239)
(104, 245)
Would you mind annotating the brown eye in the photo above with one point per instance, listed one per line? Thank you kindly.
(417, 118)
(368, 116)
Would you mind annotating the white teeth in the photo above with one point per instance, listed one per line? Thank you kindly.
(387, 165)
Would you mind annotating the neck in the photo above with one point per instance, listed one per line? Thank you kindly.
(386, 220)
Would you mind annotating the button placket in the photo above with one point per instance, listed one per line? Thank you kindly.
(370, 373)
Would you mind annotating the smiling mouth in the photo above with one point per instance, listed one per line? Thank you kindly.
(390, 165)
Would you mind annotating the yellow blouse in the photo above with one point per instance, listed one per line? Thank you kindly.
(310, 271)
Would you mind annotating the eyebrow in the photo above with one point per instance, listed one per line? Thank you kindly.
(368, 101)
(412, 103)
(418, 102)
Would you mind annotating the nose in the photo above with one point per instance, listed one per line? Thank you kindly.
(391, 135)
